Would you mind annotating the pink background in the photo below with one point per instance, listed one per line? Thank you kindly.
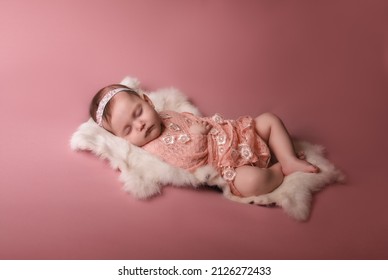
(320, 65)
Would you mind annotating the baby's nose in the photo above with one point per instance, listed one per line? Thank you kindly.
(140, 125)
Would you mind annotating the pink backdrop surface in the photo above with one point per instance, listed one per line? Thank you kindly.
(320, 65)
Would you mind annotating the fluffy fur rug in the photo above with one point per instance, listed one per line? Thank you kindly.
(293, 195)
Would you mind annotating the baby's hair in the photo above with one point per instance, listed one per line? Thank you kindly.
(100, 95)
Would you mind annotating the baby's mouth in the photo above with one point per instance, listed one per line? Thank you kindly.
(148, 131)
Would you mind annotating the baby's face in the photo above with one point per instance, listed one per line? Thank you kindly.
(134, 119)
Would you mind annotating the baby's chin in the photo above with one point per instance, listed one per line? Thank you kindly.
(154, 134)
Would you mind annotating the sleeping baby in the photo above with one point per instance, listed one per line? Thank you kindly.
(240, 150)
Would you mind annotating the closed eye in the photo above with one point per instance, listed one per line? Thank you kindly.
(138, 112)
(127, 130)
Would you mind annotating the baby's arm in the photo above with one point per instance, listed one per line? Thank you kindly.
(200, 127)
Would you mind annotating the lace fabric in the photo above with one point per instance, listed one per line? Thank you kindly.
(228, 145)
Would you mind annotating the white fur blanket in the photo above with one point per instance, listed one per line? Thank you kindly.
(293, 195)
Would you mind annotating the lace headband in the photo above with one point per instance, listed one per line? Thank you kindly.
(104, 101)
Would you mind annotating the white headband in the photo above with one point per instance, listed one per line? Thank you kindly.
(104, 101)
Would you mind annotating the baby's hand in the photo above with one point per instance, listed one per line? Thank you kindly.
(200, 127)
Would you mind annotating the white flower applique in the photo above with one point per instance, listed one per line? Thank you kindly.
(174, 127)
(168, 139)
(245, 151)
(229, 173)
(214, 131)
(221, 139)
(218, 119)
(184, 138)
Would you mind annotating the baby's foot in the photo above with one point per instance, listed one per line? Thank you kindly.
(296, 164)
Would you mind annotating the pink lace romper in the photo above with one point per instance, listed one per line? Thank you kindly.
(228, 145)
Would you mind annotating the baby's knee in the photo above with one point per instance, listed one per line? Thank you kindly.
(255, 181)
(268, 117)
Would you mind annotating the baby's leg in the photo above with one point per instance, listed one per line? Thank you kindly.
(253, 181)
(273, 131)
